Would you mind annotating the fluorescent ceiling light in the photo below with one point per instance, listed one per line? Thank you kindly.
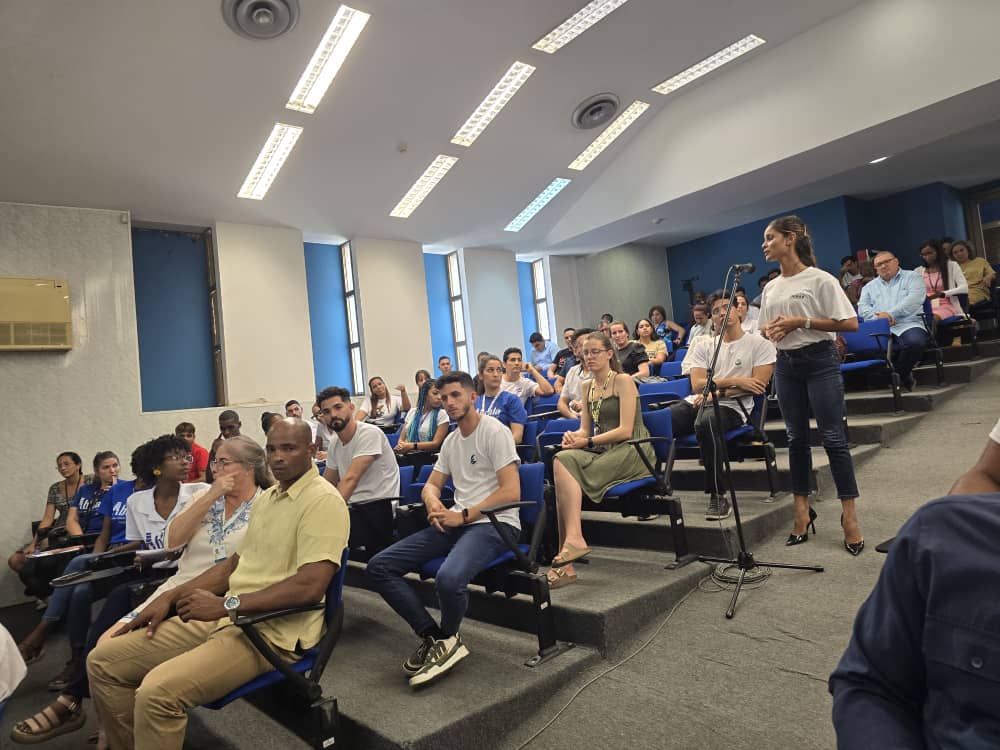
(706, 66)
(576, 24)
(270, 160)
(330, 54)
(606, 138)
(537, 205)
(496, 100)
(879, 160)
(423, 186)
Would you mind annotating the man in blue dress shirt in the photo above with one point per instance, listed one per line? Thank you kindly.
(543, 353)
(897, 296)
(922, 669)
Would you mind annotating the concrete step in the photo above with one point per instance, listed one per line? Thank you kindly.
(923, 399)
(870, 429)
(751, 477)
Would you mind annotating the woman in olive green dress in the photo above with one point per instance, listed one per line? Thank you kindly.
(596, 457)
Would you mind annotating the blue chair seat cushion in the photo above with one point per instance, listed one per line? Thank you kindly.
(849, 366)
(268, 678)
(620, 490)
(430, 568)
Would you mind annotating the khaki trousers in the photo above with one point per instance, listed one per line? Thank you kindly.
(143, 687)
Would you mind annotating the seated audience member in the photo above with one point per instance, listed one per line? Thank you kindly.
(561, 361)
(360, 462)
(898, 296)
(752, 313)
(521, 387)
(577, 377)
(421, 377)
(849, 271)
(978, 273)
(943, 281)
(631, 355)
(918, 671)
(229, 426)
(426, 426)
(293, 409)
(143, 682)
(702, 325)
(323, 435)
(84, 516)
(69, 465)
(199, 456)
(665, 329)
(267, 419)
(481, 460)
(742, 311)
(597, 456)
(543, 353)
(444, 364)
(645, 336)
(208, 530)
(761, 283)
(496, 402)
(743, 369)
(866, 271)
(604, 324)
(381, 407)
(946, 243)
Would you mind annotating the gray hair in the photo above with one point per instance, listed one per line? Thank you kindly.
(249, 453)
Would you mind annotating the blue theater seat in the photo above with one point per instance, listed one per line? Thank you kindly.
(517, 570)
(303, 708)
(653, 396)
(869, 349)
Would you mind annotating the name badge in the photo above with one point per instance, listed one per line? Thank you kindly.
(220, 552)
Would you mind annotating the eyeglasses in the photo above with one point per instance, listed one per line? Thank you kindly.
(593, 352)
(178, 457)
(886, 262)
(221, 463)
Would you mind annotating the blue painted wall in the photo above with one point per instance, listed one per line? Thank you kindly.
(709, 257)
(327, 316)
(526, 291)
(439, 308)
(173, 320)
(989, 212)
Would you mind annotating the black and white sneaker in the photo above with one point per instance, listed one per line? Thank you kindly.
(415, 662)
(718, 508)
(443, 655)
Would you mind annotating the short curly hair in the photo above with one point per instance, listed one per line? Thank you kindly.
(150, 455)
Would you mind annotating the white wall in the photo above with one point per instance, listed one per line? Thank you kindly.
(492, 299)
(265, 313)
(392, 295)
(624, 281)
(87, 399)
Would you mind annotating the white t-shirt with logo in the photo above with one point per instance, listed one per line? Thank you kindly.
(473, 462)
(144, 524)
(736, 360)
(382, 477)
(522, 388)
(810, 293)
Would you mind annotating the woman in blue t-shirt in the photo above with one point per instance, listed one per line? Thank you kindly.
(497, 403)
(84, 509)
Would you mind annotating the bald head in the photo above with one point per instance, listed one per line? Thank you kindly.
(290, 450)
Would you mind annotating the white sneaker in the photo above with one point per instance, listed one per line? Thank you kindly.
(444, 655)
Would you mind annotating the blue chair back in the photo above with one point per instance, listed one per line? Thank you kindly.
(680, 354)
(680, 388)
(405, 479)
(559, 426)
(532, 490)
(660, 424)
(335, 591)
(863, 342)
(425, 473)
(542, 404)
(393, 438)
(670, 370)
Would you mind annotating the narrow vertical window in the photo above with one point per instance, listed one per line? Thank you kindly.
(541, 302)
(457, 313)
(353, 328)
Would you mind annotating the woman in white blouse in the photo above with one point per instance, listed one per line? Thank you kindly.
(382, 407)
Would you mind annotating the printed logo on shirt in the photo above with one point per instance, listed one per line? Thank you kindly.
(800, 295)
(472, 458)
(118, 509)
(154, 542)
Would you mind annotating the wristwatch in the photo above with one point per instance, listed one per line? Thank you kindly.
(590, 442)
(232, 604)
(808, 323)
(465, 515)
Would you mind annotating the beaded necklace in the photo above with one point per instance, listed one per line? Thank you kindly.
(595, 405)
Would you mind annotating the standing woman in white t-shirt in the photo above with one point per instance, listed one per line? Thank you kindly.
(382, 407)
(801, 311)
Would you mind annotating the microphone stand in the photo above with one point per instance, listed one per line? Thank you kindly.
(744, 558)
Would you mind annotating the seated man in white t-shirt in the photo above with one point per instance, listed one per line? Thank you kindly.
(744, 369)
(513, 363)
(481, 460)
(360, 462)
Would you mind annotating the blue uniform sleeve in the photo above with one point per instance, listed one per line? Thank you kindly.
(84, 491)
(515, 410)
(879, 685)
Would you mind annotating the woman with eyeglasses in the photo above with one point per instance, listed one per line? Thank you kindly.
(208, 529)
(596, 457)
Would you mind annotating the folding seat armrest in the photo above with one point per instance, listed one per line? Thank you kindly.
(506, 506)
(637, 444)
(372, 500)
(658, 405)
(245, 620)
(505, 535)
(555, 414)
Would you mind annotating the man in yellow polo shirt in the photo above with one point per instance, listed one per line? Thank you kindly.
(145, 678)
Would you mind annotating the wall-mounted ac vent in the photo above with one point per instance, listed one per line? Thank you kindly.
(35, 314)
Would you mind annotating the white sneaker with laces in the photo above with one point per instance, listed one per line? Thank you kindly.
(443, 655)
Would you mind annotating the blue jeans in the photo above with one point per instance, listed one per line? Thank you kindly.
(469, 550)
(77, 597)
(810, 377)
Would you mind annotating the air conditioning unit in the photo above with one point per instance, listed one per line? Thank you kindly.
(35, 315)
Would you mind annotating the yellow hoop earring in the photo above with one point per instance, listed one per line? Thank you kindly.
(156, 472)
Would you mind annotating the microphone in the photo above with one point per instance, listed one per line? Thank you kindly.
(744, 267)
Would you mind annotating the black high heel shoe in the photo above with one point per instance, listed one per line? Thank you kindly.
(853, 548)
(794, 539)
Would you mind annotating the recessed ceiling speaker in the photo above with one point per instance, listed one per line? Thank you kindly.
(595, 111)
(260, 19)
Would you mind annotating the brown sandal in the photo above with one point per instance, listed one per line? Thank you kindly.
(557, 578)
(50, 722)
(568, 554)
